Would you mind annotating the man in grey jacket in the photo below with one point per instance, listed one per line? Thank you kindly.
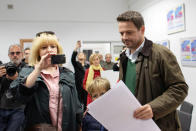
(152, 74)
(11, 110)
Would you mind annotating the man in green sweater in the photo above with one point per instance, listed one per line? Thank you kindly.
(152, 74)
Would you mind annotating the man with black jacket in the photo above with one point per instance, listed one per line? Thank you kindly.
(11, 110)
(80, 67)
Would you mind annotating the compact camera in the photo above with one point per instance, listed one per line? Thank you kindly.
(58, 59)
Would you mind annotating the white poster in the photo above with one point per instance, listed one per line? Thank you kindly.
(188, 51)
(175, 19)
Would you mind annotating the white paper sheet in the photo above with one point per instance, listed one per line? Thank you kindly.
(114, 110)
(111, 75)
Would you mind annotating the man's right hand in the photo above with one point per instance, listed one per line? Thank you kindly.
(144, 112)
(2, 71)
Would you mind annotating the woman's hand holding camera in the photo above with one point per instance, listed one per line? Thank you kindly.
(44, 63)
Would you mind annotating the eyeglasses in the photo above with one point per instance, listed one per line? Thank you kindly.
(17, 53)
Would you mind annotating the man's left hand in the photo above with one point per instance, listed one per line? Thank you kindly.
(144, 112)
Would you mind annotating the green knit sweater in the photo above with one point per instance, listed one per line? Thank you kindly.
(130, 78)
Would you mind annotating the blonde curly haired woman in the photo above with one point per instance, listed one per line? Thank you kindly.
(48, 89)
(91, 73)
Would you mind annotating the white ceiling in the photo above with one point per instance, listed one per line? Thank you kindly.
(62, 10)
(69, 10)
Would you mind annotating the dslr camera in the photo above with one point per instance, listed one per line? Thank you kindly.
(11, 68)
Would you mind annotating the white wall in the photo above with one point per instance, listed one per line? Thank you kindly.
(71, 20)
(155, 15)
(68, 33)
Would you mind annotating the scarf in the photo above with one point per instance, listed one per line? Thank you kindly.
(91, 74)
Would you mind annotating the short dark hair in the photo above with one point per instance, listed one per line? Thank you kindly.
(132, 16)
(46, 32)
(27, 48)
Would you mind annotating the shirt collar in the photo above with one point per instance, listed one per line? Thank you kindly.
(133, 56)
(56, 74)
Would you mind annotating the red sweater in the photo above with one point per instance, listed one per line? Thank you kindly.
(96, 74)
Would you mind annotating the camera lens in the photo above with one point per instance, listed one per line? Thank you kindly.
(11, 69)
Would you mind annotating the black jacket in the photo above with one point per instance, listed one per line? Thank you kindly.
(5, 93)
(79, 76)
(37, 99)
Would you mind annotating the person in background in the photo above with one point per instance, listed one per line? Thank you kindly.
(48, 89)
(97, 88)
(91, 73)
(1, 62)
(80, 67)
(11, 110)
(116, 65)
(108, 64)
(26, 55)
(101, 59)
(152, 74)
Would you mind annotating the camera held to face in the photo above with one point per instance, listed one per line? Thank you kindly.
(11, 68)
